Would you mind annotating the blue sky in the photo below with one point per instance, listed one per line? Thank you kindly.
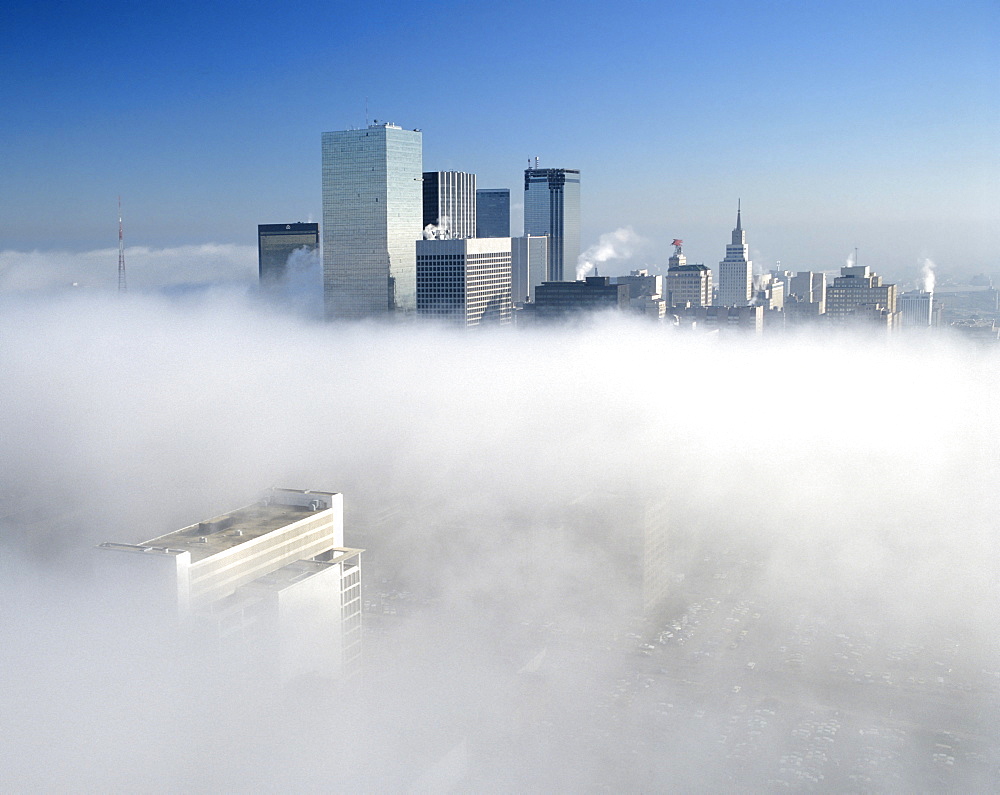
(838, 125)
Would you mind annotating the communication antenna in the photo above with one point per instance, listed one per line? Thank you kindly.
(121, 250)
(366, 111)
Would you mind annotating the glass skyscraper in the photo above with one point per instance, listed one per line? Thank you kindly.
(450, 203)
(552, 207)
(493, 212)
(372, 213)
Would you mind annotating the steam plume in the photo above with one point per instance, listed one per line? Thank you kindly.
(611, 245)
(927, 275)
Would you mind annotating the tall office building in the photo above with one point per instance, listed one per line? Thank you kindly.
(735, 271)
(552, 207)
(450, 203)
(371, 221)
(529, 263)
(277, 242)
(493, 212)
(272, 583)
(465, 281)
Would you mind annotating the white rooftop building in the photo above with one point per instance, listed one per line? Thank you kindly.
(272, 580)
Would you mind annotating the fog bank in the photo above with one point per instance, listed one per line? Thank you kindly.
(842, 483)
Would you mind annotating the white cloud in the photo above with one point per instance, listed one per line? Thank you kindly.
(864, 494)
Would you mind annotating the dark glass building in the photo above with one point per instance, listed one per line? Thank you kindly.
(493, 212)
(557, 299)
(277, 242)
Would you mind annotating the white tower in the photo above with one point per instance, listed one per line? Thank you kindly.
(736, 270)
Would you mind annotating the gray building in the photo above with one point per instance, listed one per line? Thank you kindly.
(736, 270)
(529, 260)
(916, 309)
(858, 294)
(276, 243)
(371, 220)
(552, 207)
(809, 287)
(450, 203)
(465, 281)
(493, 212)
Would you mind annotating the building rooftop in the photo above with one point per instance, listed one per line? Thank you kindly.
(227, 530)
(694, 266)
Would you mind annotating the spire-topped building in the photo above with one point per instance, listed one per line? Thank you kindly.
(736, 270)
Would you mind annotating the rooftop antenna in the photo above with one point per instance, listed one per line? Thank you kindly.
(366, 111)
(121, 250)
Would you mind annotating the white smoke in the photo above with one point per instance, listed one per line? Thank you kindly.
(439, 231)
(927, 275)
(611, 245)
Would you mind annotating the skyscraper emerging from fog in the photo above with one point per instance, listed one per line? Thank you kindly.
(372, 217)
(450, 203)
(552, 207)
(493, 212)
(465, 281)
(277, 242)
(736, 270)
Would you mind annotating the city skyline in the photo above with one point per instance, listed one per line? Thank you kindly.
(838, 128)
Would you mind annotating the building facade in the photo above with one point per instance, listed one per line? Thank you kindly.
(450, 203)
(736, 270)
(552, 207)
(916, 309)
(687, 284)
(747, 319)
(809, 287)
(529, 261)
(859, 294)
(277, 242)
(372, 215)
(493, 212)
(559, 299)
(465, 281)
(272, 582)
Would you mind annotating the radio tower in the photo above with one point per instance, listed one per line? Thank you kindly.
(121, 250)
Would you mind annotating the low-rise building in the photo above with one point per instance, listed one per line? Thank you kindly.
(559, 299)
